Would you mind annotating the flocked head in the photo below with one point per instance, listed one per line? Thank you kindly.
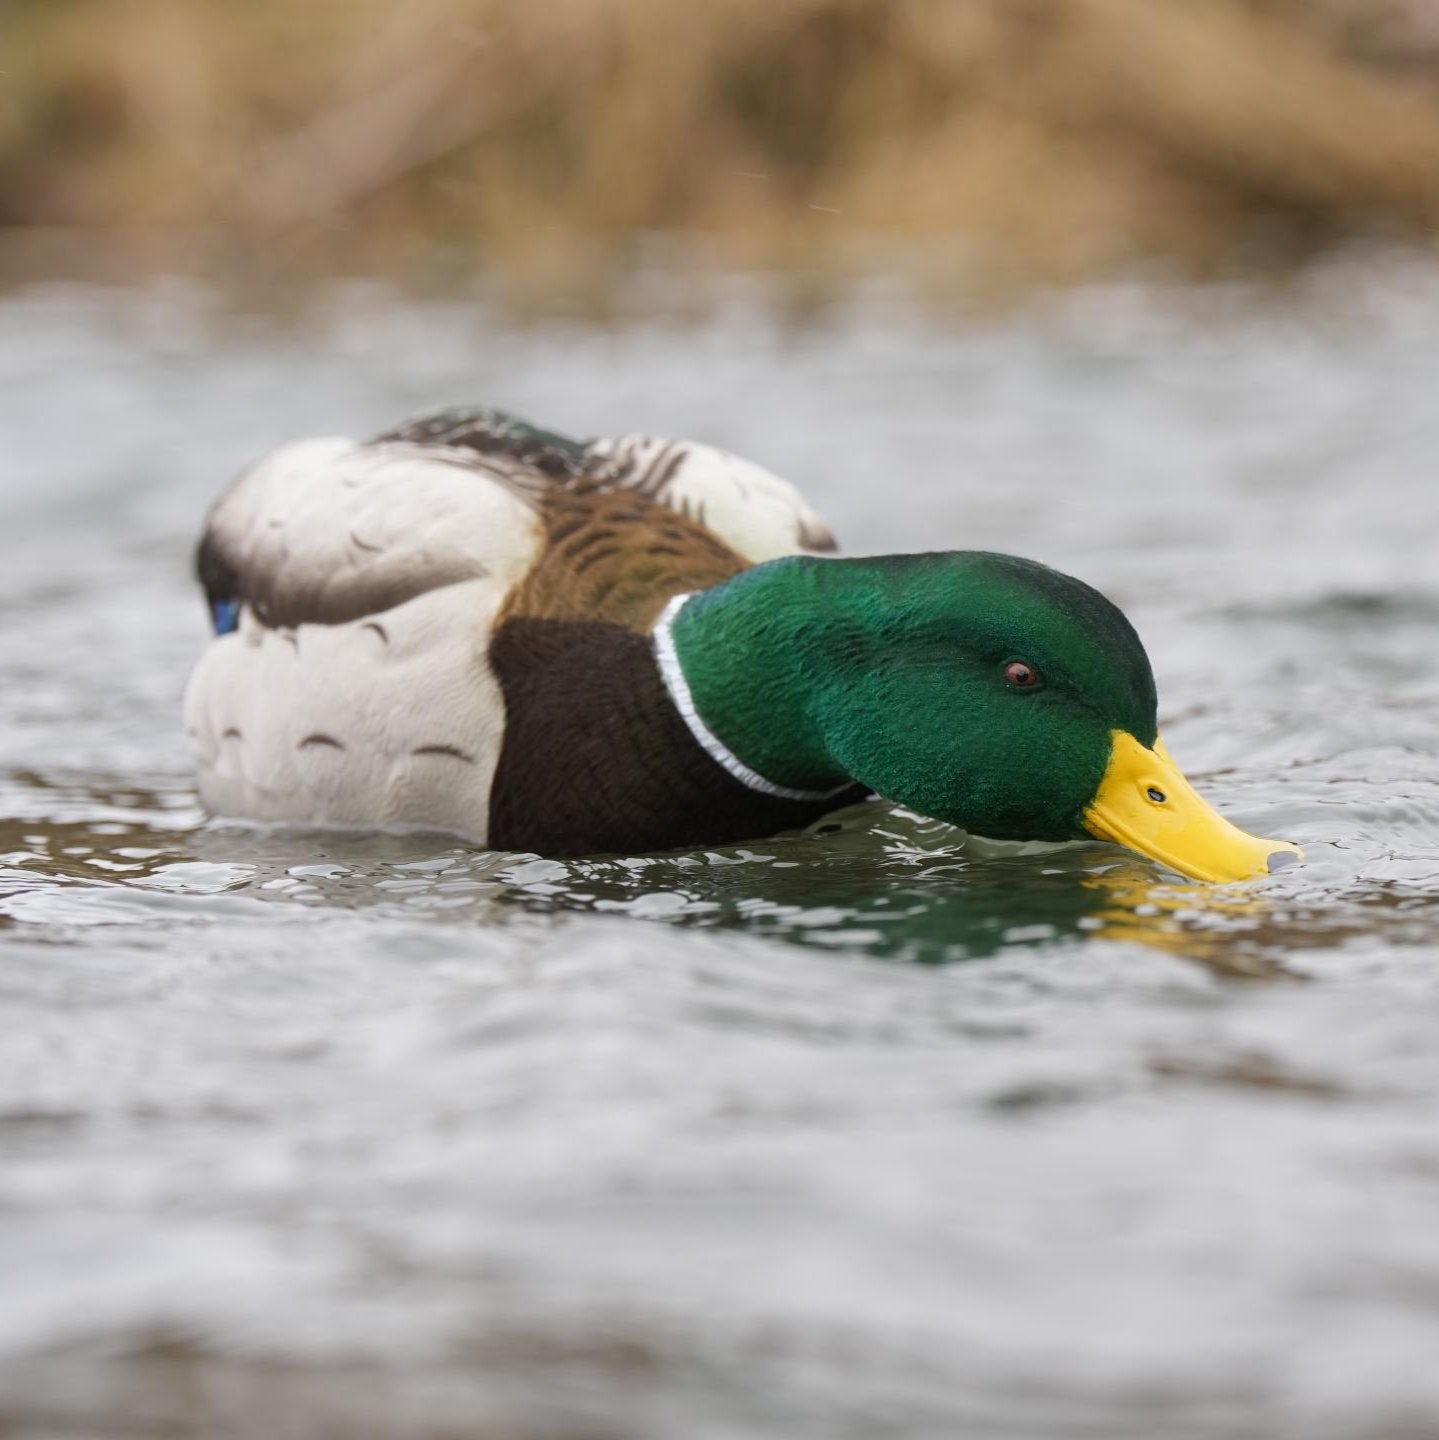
(984, 691)
(981, 689)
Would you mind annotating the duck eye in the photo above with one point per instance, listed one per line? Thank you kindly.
(1158, 796)
(1021, 674)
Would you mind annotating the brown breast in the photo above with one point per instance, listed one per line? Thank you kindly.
(618, 557)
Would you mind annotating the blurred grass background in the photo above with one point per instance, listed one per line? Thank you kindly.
(555, 146)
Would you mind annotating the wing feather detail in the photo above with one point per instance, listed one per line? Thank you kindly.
(326, 531)
(751, 509)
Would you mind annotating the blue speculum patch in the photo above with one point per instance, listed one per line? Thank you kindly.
(227, 616)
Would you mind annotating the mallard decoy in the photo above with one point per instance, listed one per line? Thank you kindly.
(474, 625)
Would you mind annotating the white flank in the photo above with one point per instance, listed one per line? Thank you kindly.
(393, 717)
(673, 675)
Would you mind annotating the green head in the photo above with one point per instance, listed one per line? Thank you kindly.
(981, 689)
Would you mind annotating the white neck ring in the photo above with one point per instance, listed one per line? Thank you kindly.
(673, 675)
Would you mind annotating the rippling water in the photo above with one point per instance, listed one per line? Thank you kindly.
(875, 1130)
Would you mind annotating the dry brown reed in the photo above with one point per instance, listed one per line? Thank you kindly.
(554, 141)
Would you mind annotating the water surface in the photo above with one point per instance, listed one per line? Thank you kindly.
(871, 1130)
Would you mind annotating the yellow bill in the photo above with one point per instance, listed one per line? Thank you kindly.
(1145, 802)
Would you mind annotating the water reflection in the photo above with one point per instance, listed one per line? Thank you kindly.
(899, 887)
(873, 880)
(1228, 928)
